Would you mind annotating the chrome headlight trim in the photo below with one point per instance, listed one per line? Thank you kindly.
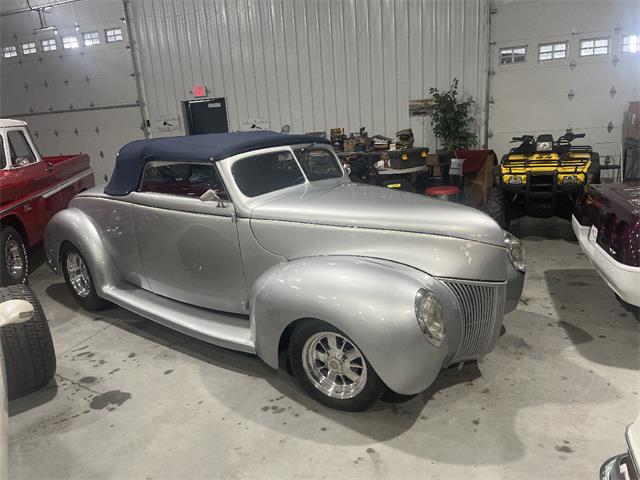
(515, 251)
(429, 317)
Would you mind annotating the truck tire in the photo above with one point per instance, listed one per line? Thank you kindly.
(79, 279)
(345, 380)
(14, 262)
(29, 355)
(496, 207)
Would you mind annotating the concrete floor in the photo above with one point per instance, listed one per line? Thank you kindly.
(132, 399)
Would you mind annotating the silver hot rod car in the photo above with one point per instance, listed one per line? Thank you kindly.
(259, 242)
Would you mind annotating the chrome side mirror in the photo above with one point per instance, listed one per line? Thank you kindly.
(15, 311)
(211, 196)
(286, 128)
(347, 169)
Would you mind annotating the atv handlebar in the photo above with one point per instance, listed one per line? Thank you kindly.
(570, 137)
(523, 138)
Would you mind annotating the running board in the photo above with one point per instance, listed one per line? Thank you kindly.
(228, 331)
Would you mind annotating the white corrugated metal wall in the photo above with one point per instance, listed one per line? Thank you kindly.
(80, 99)
(313, 64)
(533, 97)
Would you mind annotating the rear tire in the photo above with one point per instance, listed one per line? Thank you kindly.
(354, 388)
(79, 279)
(14, 262)
(593, 172)
(496, 207)
(30, 358)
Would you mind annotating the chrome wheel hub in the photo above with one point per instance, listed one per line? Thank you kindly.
(13, 258)
(334, 365)
(78, 275)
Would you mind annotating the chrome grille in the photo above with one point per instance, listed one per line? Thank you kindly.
(482, 308)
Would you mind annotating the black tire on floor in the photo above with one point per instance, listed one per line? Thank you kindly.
(91, 302)
(371, 392)
(389, 396)
(29, 355)
(11, 244)
(496, 207)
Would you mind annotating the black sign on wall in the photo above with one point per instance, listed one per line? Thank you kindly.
(207, 115)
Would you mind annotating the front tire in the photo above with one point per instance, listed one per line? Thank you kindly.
(496, 207)
(79, 279)
(331, 368)
(30, 358)
(14, 262)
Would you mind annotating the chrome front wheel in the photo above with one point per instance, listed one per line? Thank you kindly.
(14, 266)
(13, 258)
(332, 368)
(78, 274)
(334, 365)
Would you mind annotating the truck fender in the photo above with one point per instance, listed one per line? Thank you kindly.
(370, 300)
(74, 226)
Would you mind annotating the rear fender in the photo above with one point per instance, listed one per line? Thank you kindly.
(370, 300)
(74, 226)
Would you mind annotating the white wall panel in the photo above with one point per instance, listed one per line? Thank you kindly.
(315, 64)
(534, 98)
(76, 100)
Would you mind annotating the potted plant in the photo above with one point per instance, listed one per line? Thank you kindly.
(451, 118)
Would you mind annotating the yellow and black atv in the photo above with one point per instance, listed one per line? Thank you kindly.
(541, 178)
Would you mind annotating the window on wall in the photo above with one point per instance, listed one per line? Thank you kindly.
(49, 45)
(9, 51)
(513, 55)
(594, 46)
(113, 35)
(631, 43)
(91, 38)
(69, 41)
(28, 48)
(552, 51)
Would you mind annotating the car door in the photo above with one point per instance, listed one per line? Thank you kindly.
(188, 248)
(33, 181)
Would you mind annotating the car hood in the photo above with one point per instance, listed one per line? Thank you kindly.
(359, 205)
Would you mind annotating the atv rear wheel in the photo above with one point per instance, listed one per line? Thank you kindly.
(496, 207)
(593, 173)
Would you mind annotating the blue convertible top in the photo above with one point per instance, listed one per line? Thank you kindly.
(132, 158)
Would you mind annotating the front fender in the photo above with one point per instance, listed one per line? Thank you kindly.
(74, 226)
(370, 300)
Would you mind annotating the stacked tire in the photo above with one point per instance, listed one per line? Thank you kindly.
(29, 355)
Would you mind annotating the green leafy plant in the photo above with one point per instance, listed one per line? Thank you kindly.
(451, 118)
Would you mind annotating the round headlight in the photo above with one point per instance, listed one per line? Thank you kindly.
(570, 179)
(515, 250)
(429, 316)
(515, 180)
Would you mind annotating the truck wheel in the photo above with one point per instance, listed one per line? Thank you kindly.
(79, 280)
(30, 359)
(331, 369)
(14, 263)
(496, 207)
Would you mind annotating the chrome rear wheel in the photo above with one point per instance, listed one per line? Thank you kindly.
(78, 273)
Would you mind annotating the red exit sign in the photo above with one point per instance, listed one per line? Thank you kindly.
(199, 91)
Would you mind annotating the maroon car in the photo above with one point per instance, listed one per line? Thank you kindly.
(606, 221)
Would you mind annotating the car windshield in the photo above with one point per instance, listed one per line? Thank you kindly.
(267, 172)
(318, 163)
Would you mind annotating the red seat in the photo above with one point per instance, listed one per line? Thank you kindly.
(445, 192)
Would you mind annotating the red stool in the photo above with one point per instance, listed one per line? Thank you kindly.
(443, 192)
